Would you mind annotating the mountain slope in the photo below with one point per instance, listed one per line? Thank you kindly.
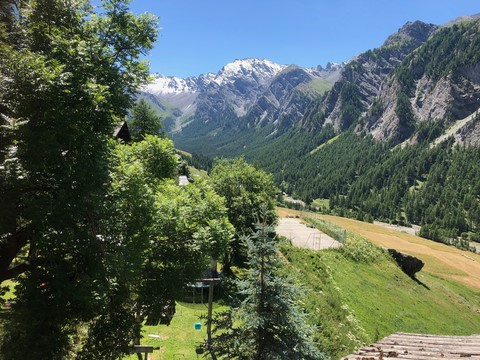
(363, 78)
(251, 108)
(440, 82)
(246, 98)
(343, 300)
(378, 144)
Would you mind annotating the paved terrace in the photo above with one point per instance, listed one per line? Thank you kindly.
(303, 236)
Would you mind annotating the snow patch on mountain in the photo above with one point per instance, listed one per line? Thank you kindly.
(163, 85)
(255, 70)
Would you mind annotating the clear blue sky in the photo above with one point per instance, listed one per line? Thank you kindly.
(200, 36)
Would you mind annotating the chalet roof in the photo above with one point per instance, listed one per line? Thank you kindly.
(121, 132)
(420, 346)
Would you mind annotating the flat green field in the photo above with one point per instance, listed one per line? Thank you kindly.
(179, 339)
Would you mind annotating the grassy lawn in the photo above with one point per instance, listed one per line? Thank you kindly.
(10, 294)
(179, 339)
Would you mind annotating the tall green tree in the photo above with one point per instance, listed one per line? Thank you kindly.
(246, 190)
(162, 236)
(144, 121)
(266, 324)
(67, 75)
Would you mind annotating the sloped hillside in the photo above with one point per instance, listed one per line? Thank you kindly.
(357, 294)
(438, 82)
(362, 79)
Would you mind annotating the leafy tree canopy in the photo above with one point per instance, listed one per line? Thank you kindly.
(67, 75)
(246, 190)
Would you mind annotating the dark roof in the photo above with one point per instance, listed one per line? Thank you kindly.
(121, 132)
(420, 346)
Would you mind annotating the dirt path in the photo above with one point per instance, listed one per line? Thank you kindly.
(302, 236)
(414, 230)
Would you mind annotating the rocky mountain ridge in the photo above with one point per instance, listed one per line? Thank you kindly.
(240, 89)
(387, 92)
(438, 83)
(362, 80)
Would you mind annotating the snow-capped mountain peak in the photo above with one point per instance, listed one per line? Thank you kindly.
(235, 90)
(171, 85)
(257, 70)
(251, 70)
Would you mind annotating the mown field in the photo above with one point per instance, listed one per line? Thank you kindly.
(440, 260)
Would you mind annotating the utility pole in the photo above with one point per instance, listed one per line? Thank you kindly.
(211, 282)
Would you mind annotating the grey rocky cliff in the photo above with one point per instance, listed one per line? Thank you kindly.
(366, 75)
(285, 100)
(449, 97)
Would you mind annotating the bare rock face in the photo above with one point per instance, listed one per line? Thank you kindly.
(384, 126)
(284, 101)
(410, 265)
(243, 94)
(467, 131)
(432, 98)
(363, 78)
(440, 81)
(431, 102)
(415, 33)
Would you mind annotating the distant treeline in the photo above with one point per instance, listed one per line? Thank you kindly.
(199, 161)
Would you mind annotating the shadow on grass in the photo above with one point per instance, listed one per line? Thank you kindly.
(420, 283)
(4, 316)
(193, 306)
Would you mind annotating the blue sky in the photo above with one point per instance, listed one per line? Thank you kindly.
(200, 36)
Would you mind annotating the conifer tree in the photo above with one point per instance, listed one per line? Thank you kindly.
(144, 121)
(265, 324)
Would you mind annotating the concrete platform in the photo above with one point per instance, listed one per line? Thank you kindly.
(302, 236)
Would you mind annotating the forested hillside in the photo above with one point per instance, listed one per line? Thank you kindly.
(435, 187)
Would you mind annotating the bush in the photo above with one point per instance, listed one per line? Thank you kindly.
(361, 250)
(328, 228)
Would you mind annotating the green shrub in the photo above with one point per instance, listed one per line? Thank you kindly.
(360, 250)
(328, 228)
